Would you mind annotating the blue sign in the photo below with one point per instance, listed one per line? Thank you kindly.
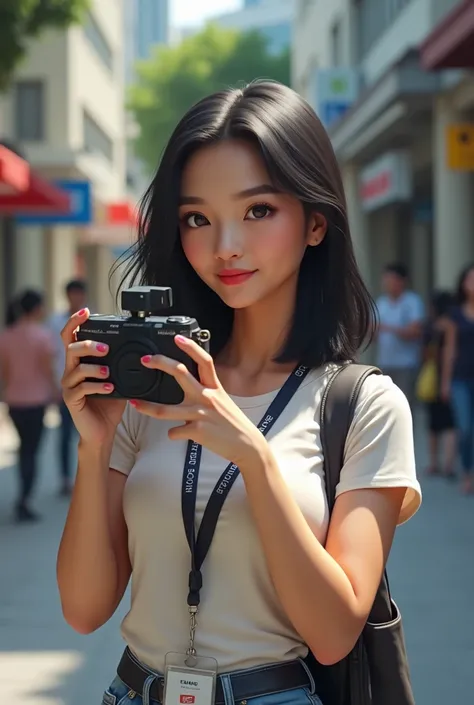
(335, 90)
(81, 211)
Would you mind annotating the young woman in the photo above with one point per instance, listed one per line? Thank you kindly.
(26, 375)
(246, 220)
(441, 424)
(458, 372)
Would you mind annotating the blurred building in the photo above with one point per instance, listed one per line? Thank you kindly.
(152, 25)
(65, 114)
(146, 26)
(274, 18)
(393, 83)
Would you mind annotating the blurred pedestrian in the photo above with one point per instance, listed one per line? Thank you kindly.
(441, 425)
(458, 372)
(401, 317)
(26, 370)
(76, 292)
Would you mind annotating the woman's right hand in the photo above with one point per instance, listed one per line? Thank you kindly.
(95, 419)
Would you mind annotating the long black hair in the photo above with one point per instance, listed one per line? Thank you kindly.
(334, 312)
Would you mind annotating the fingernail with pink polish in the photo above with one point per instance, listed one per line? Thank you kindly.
(133, 402)
(146, 359)
(104, 370)
(108, 387)
(181, 339)
(101, 347)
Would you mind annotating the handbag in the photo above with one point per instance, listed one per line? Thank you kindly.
(376, 671)
(427, 382)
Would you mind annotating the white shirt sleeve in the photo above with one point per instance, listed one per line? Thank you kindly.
(379, 449)
(126, 442)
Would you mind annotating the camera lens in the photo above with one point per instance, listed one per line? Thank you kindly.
(131, 378)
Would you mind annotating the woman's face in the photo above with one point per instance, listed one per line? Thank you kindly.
(468, 284)
(241, 236)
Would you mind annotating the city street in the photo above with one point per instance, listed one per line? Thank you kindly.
(42, 662)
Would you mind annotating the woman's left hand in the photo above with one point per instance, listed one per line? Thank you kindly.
(210, 416)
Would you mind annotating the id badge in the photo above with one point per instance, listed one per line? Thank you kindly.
(186, 684)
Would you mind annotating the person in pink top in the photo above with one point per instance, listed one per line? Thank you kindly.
(28, 386)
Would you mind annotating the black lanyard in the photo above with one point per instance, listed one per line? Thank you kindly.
(199, 545)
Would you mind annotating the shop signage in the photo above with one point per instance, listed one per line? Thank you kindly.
(460, 147)
(386, 180)
(336, 89)
(80, 210)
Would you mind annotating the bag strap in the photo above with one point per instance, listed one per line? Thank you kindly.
(337, 411)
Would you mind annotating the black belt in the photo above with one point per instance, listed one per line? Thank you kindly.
(256, 682)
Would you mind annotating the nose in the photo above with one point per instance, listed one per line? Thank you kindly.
(229, 243)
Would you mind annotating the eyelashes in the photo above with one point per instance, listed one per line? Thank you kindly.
(196, 220)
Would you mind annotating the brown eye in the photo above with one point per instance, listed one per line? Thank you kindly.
(259, 212)
(195, 220)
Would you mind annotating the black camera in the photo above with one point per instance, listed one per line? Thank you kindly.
(141, 333)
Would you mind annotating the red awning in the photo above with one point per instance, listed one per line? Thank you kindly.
(14, 172)
(39, 197)
(121, 213)
(451, 44)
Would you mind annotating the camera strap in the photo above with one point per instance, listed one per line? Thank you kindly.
(199, 544)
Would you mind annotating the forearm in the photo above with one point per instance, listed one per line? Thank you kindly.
(87, 568)
(447, 365)
(314, 590)
(411, 332)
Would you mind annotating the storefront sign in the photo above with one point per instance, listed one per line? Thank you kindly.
(387, 180)
(80, 209)
(460, 147)
(336, 89)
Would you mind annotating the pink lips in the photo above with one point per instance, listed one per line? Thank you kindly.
(232, 277)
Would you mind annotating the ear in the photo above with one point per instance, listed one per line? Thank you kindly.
(316, 230)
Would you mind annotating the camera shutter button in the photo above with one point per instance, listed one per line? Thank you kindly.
(178, 319)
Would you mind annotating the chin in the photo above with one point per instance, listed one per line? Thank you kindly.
(237, 302)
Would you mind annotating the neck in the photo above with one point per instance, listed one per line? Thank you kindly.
(258, 334)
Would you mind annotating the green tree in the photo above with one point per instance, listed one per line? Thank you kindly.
(175, 78)
(22, 20)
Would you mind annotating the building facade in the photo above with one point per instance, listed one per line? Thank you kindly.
(274, 18)
(151, 25)
(65, 113)
(400, 114)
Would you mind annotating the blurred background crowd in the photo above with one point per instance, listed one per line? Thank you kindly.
(90, 90)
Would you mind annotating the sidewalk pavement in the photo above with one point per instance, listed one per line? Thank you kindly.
(43, 662)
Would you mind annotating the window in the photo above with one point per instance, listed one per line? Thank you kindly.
(96, 37)
(96, 140)
(373, 18)
(29, 110)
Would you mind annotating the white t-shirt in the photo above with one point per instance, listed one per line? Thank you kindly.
(241, 620)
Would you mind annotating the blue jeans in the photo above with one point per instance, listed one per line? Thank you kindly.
(462, 393)
(119, 694)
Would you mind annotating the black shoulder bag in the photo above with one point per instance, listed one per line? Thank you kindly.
(376, 671)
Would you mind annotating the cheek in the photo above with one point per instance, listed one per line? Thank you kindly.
(194, 248)
(283, 241)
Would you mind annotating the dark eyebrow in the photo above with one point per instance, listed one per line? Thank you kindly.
(247, 193)
(257, 191)
(191, 201)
